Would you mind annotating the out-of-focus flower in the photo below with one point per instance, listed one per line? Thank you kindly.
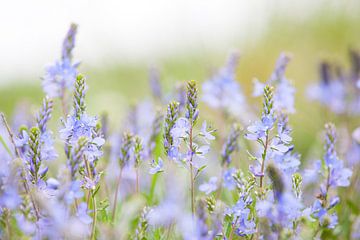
(284, 92)
(156, 166)
(228, 179)
(223, 92)
(210, 186)
(62, 74)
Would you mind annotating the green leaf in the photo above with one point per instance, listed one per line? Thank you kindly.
(200, 170)
(5, 146)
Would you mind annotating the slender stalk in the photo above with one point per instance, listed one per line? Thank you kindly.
(137, 180)
(263, 159)
(93, 229)
(192, 180)
(93, 198)
(116, 196)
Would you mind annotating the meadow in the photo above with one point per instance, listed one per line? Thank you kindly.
(261, 142)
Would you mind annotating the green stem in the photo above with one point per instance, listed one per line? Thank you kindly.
(94, 216)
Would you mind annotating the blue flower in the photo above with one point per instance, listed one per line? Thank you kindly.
(205, 133)
(244, 224)
(9, 197)
(284, 211)
(59, 77)
(73, 192)
(75, 128)
(320, 212)
(180, 130)
(90, 183)
(48, 151)
(156, 166)
(228, 179)
(83, 213)
(258, 129)
(222, 91)
(284, 92)
(339, 175)
(210, 186)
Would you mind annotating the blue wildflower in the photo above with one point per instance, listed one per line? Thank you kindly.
(83, 213)
(61, 75)
(244, 224)
(228, 179)
(222, 91)
(210, 186)
(284, 91)
(73, 192)
(156, 166)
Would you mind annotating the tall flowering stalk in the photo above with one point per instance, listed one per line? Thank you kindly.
(126, 149)
(192, 114)
(61, 76)
(83, 145)
(336, 175)
(182, 135)
(260, 132)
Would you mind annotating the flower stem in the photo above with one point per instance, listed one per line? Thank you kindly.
(116, 195)
(192, 180)
(137, 180)
(93, 229)
(263, 159)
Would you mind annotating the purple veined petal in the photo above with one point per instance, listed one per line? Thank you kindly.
(207, 135)
(201, 151)
(280, 147)
(285, 138)
(99, 141)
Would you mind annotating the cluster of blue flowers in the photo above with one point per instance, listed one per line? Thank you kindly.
(338, 89)
(165, 176)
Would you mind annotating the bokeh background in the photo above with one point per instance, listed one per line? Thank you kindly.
(118, 41)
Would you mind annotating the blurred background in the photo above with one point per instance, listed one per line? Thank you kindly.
(118, 41)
